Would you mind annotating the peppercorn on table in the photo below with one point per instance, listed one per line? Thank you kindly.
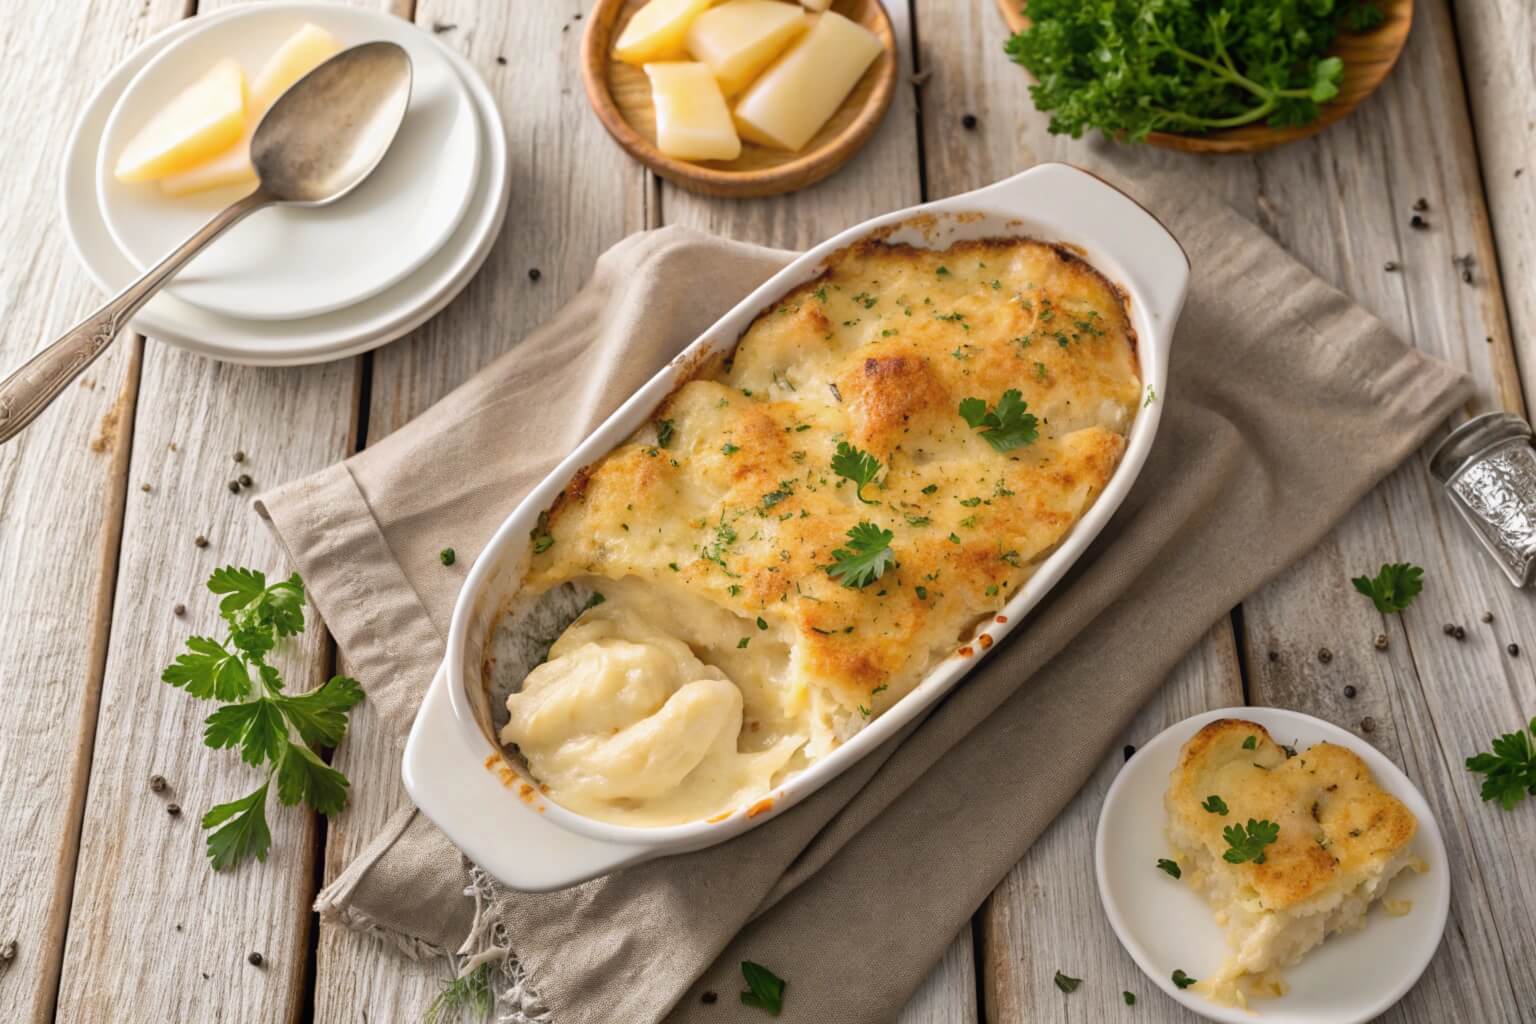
(122, 499)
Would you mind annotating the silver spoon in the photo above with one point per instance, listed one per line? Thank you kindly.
(318, 142)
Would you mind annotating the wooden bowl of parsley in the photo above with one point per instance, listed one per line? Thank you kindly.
(1204, 76)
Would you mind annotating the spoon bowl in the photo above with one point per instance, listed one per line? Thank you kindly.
(326, 134)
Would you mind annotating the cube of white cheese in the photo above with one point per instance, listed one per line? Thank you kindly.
(790, 102)
(656, 31)
(692, 120)
(740, 38)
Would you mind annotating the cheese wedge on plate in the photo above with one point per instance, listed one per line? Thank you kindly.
(692, 120)
(791, 101)
(656, 31)
(740, 38)
(207, 117)
(304, 51)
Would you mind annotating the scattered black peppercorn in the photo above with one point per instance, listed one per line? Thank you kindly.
(144, 488)
(239, 456)
(1128, 751)
(234, 487)
(8, 952)
(1514, 650)
(157, 783)
(180, 609)
(1274, 655)
(1389, 266)
(200, 541)
(245, 479)
(255, 960)
(1461, 633)
(1421, 204)
(1349, 692)
(1324, 655)
(502, 61)
(1487, 616)
(534, 273)
(447, 556)
(1449, 629)
(173, 809)
(1381, 641)
(968, 122)
(439, 27)
(1417, 222)
(1466, 275)
(708, 998)
(1367, 724)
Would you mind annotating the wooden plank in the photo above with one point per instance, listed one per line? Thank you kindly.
(62, 486)
(574, 195)
(143, 881)
(1498, 57)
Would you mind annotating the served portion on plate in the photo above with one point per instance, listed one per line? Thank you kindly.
(1288, 847)
(807, 526)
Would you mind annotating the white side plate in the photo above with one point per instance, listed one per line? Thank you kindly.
(1166, 926)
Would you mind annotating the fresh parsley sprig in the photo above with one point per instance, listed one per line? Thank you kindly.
(857, 465)
(1007, 426)
(765, 990)
(257, 716)
(866, 557)
(1247, 842)
(1129, 68)
(1509, 768)
(1394, 587)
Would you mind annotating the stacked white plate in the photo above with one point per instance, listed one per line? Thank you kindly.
(293, 286)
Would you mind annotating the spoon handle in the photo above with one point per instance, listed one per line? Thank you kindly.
(28, 391)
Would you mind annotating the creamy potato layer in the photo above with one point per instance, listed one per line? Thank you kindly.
(727, 655)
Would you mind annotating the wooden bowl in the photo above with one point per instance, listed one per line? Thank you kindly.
(621, 95)
(1367, 56)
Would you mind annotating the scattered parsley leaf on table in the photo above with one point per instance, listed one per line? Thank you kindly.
(765, 989)
(1509, 769)
(1394, 587)
(1007, 426)
(857, 465)
(256, 716)
(1247, 842)
(1183, 980)
(1130, 67)
(866, 557)
(1067, 983)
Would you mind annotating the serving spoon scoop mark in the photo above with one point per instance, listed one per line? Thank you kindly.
(318, 142)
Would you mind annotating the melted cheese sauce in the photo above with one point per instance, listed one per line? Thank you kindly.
(714, 526)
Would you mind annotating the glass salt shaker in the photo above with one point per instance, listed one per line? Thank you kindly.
(1488, 468)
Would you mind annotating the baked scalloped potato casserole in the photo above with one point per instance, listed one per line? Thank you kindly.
(1288, 848)
(799, 536)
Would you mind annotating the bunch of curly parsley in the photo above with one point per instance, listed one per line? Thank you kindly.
(1129, 67)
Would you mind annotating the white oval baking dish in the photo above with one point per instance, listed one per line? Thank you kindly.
(453, 768)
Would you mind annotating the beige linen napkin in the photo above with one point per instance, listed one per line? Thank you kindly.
(1285, 404)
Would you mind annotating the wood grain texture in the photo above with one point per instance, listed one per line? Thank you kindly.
(620, 94)
(1368, 59)
(62, 487)
(1498, 59)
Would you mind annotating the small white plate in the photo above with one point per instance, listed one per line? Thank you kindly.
(288, 263)
(336, 335)
(1166, 926)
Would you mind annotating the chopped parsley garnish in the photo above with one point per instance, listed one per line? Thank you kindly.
(1394, 587)
(761, 623)
(1067, 983)
(1182, 980)
(665, 432)
(866, 557)
(765, 990)
(970, 502)
(773, 497)
(918, 520)
(1129, 997)
(1151, 396)
(1007, 426)
(1251, 743)
(1510, 768)
(857, 465)
(729, 449)
(742, 643)
(1215, 805)
(922, 593)
(943, 272)
(447, 556)
(596, 599)
(1247, 842)
(1170, 866)
(542, 541)
(931, 489)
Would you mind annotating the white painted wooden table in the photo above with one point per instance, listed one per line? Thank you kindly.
(109, 901)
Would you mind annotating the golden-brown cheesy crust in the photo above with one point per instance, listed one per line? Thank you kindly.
(742, 506)
(1335, 821)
